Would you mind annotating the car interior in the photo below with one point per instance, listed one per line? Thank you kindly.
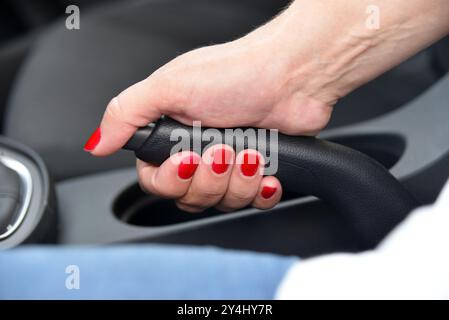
(385, 152)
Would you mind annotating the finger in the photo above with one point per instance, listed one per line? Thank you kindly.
(211, 179)
(269, 193)
(145, 172)
(244, 182)
(172, 179)
(135, 107)
(187, 208)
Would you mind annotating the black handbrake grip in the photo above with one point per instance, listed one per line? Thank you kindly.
(367, 196)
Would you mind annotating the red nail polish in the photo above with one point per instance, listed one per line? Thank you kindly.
(93, 140)
(250, 164)
(187, 167)
(221, 161)
(268, 192)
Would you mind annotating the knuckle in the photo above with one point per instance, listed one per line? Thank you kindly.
(191, 202)
(141, 176)
(115, 109)
(316, 120)
(202, 198)
(183, 202)
(188, 208)
(210, 194)
(145, 180)
(154, 188)
(144, 184)
(143, 187)
(165, 192)
(241, 195)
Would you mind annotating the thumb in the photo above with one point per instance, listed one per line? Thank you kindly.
(135, 107)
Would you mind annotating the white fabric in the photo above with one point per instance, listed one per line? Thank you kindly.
(411, 263)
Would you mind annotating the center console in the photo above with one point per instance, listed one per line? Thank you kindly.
(412, 142)
(107, 208)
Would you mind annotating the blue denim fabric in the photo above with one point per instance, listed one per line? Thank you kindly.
(139, 272)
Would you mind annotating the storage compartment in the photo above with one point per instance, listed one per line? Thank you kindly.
(135, 207)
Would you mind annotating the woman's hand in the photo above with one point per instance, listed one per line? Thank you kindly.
(240, 83)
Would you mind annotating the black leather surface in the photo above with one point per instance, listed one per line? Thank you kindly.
(367, 196)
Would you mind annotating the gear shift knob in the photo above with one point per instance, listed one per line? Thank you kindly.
(9, 196)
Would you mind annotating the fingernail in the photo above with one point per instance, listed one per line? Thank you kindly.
(250, 164)
(93, 140)
(221, 161)
(187, 167)
(268, 192)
